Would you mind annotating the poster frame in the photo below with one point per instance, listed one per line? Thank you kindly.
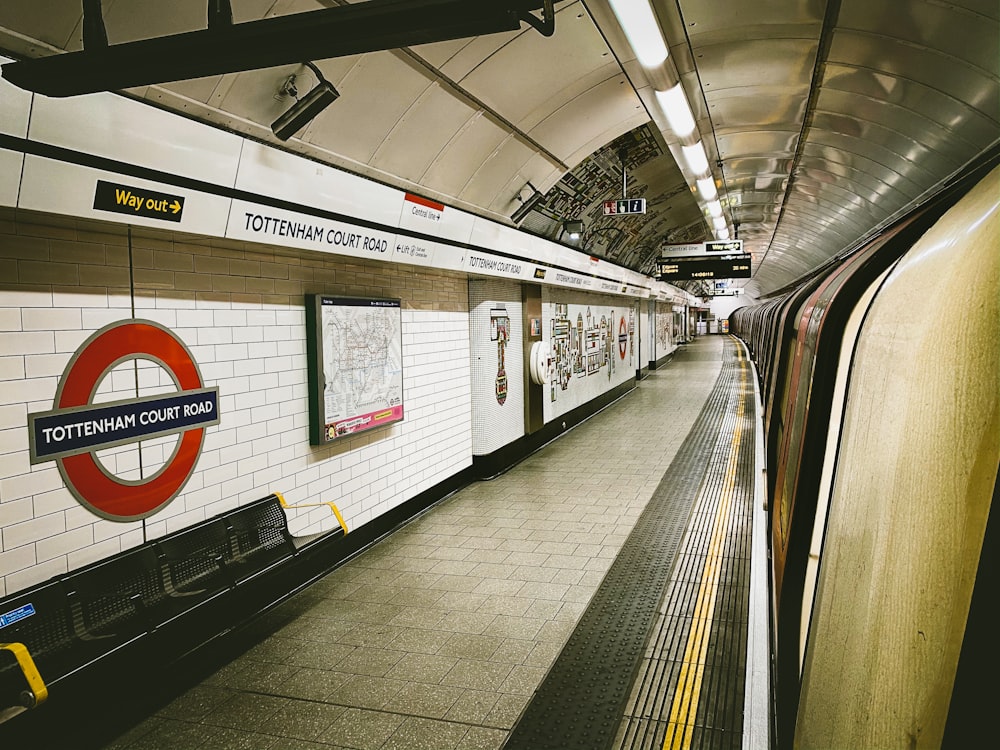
(320, 432)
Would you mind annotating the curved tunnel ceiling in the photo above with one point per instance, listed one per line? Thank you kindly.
(821, 120)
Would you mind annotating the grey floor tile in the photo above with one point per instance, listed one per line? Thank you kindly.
(362, 730)
(311, 684)
(482, 738)
(426, 734)
(375, 662)
(365, 692)
(249, 711)
(494, 570)
(429, 701)
(196, 702)
(462, 601)
(303, 720)
(533, 573)
(170, 734)
(471, 646)
(474, 674)
(489, 555)
(417, 617)
(417, 597)
(286, 743)
(473, 706)
(415, 564)
(546, 609)
(513, 651)
(466, 622)
(523, 680)
(543, 654)
(235, 739)
(449, 552)
(419, 641)
(454, 567)
(425, 668)
(539, 590)
(264, 677)
(507, 626)
(509, 605)
(376, 593)
(507, 710)
(556, 630)
(498, 587)
(319, 655)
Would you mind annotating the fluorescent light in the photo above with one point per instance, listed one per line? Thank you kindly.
(707, 189)
(643, 31)
(695, 157)
(573, 228)
(719, 223)
(714, 208)
(675, 106)
(722, 234)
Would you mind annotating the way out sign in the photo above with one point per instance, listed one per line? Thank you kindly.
(133, 201)
(78, 426)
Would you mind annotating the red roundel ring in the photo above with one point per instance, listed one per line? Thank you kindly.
(622, 339)
(106, 495)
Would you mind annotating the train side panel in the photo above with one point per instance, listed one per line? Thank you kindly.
(912, 493)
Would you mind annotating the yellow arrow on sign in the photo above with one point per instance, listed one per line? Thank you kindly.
(176, 205)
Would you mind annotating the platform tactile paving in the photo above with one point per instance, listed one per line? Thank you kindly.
(582, 699)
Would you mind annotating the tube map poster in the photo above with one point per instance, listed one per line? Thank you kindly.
(356, 365)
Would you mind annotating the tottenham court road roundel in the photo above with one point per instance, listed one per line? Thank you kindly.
(77, 427)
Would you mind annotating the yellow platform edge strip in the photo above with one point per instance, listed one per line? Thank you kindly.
(684, 708)
(333, 507)
(35, 682)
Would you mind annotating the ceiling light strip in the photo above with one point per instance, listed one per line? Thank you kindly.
(642, 30)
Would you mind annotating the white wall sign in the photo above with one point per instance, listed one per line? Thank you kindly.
(275, 226)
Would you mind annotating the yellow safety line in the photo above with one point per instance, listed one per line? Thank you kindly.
(30, 671)
(684, 709)
(333, 507)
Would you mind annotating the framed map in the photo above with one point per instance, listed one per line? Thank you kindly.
(355, 351)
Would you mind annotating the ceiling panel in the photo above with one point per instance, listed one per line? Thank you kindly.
(453, 167)
(584, 124)
(374, 95)
(422, 133)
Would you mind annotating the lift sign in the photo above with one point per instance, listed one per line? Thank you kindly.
(76, 428)
(625, 206)
(133, 201)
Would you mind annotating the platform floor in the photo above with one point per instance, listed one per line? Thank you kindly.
(438, 637)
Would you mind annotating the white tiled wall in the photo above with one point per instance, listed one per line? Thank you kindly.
(239, 309)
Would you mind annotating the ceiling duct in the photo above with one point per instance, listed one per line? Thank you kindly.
(225, 47)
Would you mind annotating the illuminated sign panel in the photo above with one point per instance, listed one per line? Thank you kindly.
(704, 267)
(625, 206)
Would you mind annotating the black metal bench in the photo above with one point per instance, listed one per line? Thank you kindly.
(163, 597)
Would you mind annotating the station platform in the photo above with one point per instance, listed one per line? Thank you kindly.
(596, 595)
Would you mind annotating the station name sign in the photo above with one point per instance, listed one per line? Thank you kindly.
(734, 266)
(61, 433)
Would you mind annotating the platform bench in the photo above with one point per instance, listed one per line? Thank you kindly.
(165, 596)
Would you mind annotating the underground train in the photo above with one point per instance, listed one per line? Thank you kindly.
(879, 382)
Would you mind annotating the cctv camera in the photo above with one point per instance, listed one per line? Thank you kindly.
(304, 110)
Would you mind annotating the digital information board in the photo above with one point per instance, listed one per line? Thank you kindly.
(705, 267)
(355, 351)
